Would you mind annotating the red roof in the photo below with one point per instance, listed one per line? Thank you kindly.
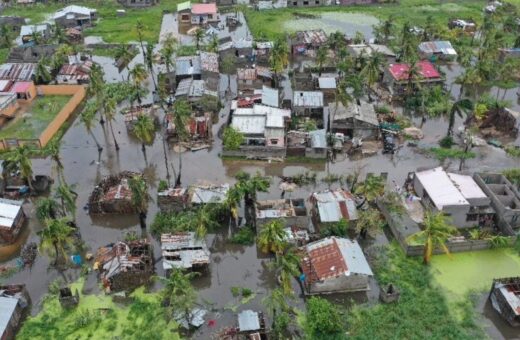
(324, 262)
(426, 70)
(204, 8)
(21, 87)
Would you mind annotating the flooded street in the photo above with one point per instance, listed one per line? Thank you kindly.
(231, 265)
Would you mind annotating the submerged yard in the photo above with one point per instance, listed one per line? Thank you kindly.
(31, 121)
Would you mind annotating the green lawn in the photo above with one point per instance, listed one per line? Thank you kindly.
(474, 271)
(113, 29)
(268, 23)
(97, 317)
(31, 124)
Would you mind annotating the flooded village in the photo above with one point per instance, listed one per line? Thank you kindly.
(260, 169)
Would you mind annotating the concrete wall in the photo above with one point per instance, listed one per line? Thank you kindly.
(255, 152)
(353, 282)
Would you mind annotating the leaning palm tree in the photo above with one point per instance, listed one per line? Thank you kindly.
(272, 237)
(232, 202)
(125, 56)
(276, 303)
(109, 107)
(56, 236)
(458, 108)
(87, 118)
(181, 117)
(67, 198)
(21, 158)
(138, 75)
(204, 220)
(437, 230)
(167, 53)
(140, 197)
(279, 57)
(144, 130)
(52, 149)
(372, 70)
(286, 266)
(372, 188)
(42, 74)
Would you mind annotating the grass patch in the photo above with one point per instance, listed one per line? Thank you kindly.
(474, 271)
(422, 311)
(42, 111)
(267, 24)
(245, 236)
(97, 317)
(444, 153)
(112, 28)
(4, 53)
(186, 50)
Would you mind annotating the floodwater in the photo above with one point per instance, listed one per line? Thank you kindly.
(231, 265)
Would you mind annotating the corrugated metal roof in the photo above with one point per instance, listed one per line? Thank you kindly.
(185, 248)
(274, 121)
(198, 9)
(5, 85)
(6, 99)
(9, 210)
(184, 6)
(327, 82)
(183, 88)
(209, 194)
(440, 188)
(312, 37)
(249, 124)
(270, 96)
(354, 257)
(246, 74)
(7, 308)
(187, 65)
(17, 71)
(467, 186)
(318, 139)
(74, 9)
(439, 46)
(248, 321)
(309, 99)
(426, 70)
(29, 29)
(333, 205)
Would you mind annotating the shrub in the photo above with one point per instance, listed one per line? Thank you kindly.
(446, 142)
(245, 236)
(232, 139)
(163, 185)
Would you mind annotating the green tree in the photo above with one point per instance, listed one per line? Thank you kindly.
(124, 55)
(323, 320)
(213, 44)
(279, 57)
(181, 117)
(109, 108)
(458, 108)
(144, 130)
(232, 139)
(369, 221)
(67, 198)
(179, 293)
(200, 34)
(20, 157)
(286, 266)
(56, 236)
(167, 53)
(372, 188)
(42, 74)
(52, 149)
(280, 312)
(321, 58)
(87, 118)
(436, 232)
(204, 220)
(138, 75)
(46, 209)
(372, 70)
(6, 39)
(272, 236)
(140, 197)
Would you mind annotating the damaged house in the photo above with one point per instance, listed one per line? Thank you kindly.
(239, 49)
(17, 71)
(251, 79)
(193, 90)
(14, 302)
(334, 265)
(185, 251)
(292, 211)
(397, 77)
(354, 120)
(457, 196)
(308, 104)
(187, 67)
(112, 195)
(205, 194)
(209, 70)
(332, 206)
(132, 114)
(172, 199)
(505, 299)
(308, 42)
(438, 49)
(75, 73)
(75, 16)
(12, 218)
(125, 265)
(31, 54)
(28, 32)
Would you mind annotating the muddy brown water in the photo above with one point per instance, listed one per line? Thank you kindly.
(231, 265)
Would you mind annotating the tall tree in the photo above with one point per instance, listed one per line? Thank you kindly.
(149, 63)
(124, 55)
(272, 237)
(286, 265)
(6, 39)
(372, 70)
(144, 130)
(20, 157)
(459, 107)
(321, 58)
(52, 149)
(178, 292)
(167, 53)
(46, 209)
(56, 236)
(200, 34)
(437, 230)
(140, 197)
(109, 107)
(67, 198)
(181, 117)
(139, 27)
(42, 74)
(279, 57)
(372, 188)
(87, 118)
(280, 312)
(138, 75)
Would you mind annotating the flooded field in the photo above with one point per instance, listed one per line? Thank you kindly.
(231, 265)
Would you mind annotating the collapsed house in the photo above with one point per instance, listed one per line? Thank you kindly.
(67, 299)
(397, 76)
(262, 52)
(334, 265)
(250, 79)
(12, 218)
(308, 42)
(172, 199)
(505, 299)
(208, 194)
(14, 301)
(500, 122)
(311, 144)
(293, 212)
(354, 120)
(113, 195)
(131, 115)
(198, 127)
(367, 50)
(458, 196)
(184, 250)
(505, 199)
(209, 70)
(241, 50)
(308, 104)
(332, 206)
(75, 72)
(125, 265)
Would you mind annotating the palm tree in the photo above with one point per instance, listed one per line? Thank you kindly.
(199, 36)
(59, 35)
(36, 36)
(67, 198)
(276, 305)
(87, 118)
(286, 265)
(139, 28)
(369, 222)
(272, 237)
(213, 44)
(138, 75)
(42, 74)
(56, 236)
(150, 61)
(250, 185)
(144, 130)
(372, 70)
(21, 158)
(372, 188)
(109, 107)
(181, 117)
(232, 202)
(321, 58)
(52, 149)
(458, 108)
(279, 57)
(140, 197)
(46, 208)
(125, 56)
(179, 293)
(204, 220)
(436, 232)
(167, 53)
(387, 28)
(414, 74)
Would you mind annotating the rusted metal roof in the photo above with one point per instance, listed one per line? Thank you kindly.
(323, 260)
(17, 71)
(209, 61)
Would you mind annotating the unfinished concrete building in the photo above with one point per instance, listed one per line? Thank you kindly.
(125, 266)
(505, 298)
(292, 211)
(505, 199)
(112, 195)
(172, 199)
(184, 251)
